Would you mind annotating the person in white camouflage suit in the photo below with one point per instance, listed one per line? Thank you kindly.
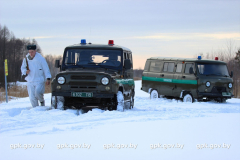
(38, 73)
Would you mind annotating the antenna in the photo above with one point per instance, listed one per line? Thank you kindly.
(90, 36)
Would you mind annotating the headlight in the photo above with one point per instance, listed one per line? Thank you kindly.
(61, 80)
(229, 85)
(105, 81)
(208, 84)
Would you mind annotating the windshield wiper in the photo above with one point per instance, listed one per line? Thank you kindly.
(212, 75)
(106, 68)
(217, 75)
(92, 63)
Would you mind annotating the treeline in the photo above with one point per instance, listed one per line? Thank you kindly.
(14, 50)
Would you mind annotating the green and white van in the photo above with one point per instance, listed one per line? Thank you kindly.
(187, 79)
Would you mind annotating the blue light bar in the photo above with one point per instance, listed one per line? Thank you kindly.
(199, 57)
(83, 41)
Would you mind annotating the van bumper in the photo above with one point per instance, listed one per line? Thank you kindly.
(215, 95)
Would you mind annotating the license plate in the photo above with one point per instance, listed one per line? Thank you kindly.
(82, 94)
(226, 94)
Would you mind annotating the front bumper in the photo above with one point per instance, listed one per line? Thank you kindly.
(215, 95)
(95, 95)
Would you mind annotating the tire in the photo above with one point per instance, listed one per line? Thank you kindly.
(131, 102)
(57, 102)
(120, 102)
(154, 94)
(223, 100)
(53, 102)
(188, 98)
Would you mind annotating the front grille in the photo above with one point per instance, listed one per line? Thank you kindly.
(82, 77)
(82, 85)
(218, 89)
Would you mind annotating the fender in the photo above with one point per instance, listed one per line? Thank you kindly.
(184, 93)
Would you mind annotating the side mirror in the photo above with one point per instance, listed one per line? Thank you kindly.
(127, 64)
(57, 65)
(191, 70)
(231, 75)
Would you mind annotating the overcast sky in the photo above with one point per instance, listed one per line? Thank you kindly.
(173, 28)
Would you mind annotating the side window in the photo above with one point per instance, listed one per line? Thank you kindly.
(168, 67)
(179, 67)
(165, 67)
(155, 66)
(125, 55)
(188, 66)
(130, 56)
(146, 68)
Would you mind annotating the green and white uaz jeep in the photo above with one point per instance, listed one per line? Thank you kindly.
(94, 76)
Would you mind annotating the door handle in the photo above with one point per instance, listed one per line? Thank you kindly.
(174, 87)
(162, 75)
(183, 76)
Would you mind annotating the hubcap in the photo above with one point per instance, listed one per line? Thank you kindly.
(155, 95)
(189, 99)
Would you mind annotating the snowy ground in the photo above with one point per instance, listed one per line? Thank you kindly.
(202, 130)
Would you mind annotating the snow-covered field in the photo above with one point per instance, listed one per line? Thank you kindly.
(154, 129)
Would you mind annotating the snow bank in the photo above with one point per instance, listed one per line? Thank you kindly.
(150, 123)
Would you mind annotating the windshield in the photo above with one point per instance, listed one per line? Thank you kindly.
(92, 58)
(213, 69)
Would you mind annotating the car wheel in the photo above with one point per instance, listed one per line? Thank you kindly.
(188, 98)
(120, 101)
(53, 102)
(131, 102)
(57, 102)
(223, 100)
(154, 94)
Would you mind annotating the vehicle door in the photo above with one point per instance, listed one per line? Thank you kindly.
(152, 78)
(177, 79)
(166, 78)
(128, 81)
(189, 81)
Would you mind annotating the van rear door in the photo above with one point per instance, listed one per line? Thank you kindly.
(151, 78)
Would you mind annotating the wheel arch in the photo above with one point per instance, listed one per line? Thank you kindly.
(183, 93)
(121, 89)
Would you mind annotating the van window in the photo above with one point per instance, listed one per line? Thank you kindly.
(146, 68)
(179, 68)
(125, 55)
(168, 67)
(130, 56)
(155, 66)
(188, 66)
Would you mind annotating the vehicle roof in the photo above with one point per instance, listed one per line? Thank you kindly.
(102, 46)
(185, 59)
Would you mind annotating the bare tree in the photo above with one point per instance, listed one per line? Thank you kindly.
(14, 50)
(238, 55)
